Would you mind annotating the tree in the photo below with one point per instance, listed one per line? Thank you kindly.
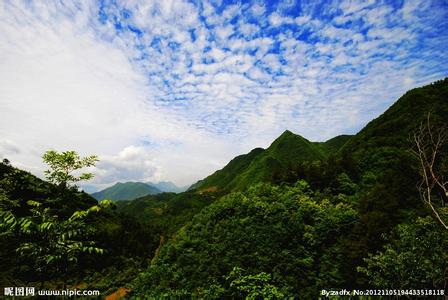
(284, 237)
(415, 256)
(50, 244)
(6, 162)
(252, 286)
(63, 165)
(430, 144)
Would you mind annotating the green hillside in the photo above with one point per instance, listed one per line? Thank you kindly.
(25, 197)
(394, 126)
(167, 211)
(269, 165)
(21, 186)
(359, 224)
(221, 178)
(286, 221)
(126, 191)
(333, 145)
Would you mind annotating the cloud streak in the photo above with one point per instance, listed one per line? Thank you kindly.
(190, 85)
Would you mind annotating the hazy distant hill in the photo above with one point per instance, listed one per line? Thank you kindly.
(126, 191)
(168, 186)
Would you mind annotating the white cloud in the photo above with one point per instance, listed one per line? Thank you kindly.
(133, 163)
(258, 9)
(302, 20)
(160, 94)
(62, 88)
(276, 19)
(8, 148)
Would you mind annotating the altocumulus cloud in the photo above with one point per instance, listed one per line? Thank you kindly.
(172, 90)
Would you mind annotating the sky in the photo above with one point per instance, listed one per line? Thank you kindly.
(173, 90)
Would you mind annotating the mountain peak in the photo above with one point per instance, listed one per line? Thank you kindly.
(259, 164)
(287, 137)
(287, 133)
(126, 191)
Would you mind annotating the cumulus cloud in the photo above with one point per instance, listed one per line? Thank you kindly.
(133, 163)
(173, 90)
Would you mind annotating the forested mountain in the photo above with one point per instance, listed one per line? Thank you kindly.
(358, 224)
(334, 144)
(21, 186)
(167, 211)
(267, 165)
(286, 221)
(126, 191)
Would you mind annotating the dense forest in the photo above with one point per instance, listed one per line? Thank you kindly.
(362, 211)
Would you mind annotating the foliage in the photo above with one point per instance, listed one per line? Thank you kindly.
(52, 246)
(414, 257)
(167, 212)
(268, 229)
(357, 221)
(252, 286)
(271, 164)
(54, 234)
(346, 185)
(63, 165)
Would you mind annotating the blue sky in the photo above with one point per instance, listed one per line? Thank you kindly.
(172, 90)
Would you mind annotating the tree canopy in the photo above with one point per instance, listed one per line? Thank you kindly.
(64, 165)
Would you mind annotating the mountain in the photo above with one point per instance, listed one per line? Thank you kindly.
(21, 186)
(376, 160)
(167, 211)
(392, 128)
(356, 154)
(351, 227)
(341, 213)
(168, 187)
(265, 165)
(128, 242)
(224, 176)
(333, 145)
(126, 191)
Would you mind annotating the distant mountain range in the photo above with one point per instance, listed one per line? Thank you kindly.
(133, 190)
(168, 186)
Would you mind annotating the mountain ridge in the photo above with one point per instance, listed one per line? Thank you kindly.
(168, 187)
(263, 165)
(134, 189)
(126, 191)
